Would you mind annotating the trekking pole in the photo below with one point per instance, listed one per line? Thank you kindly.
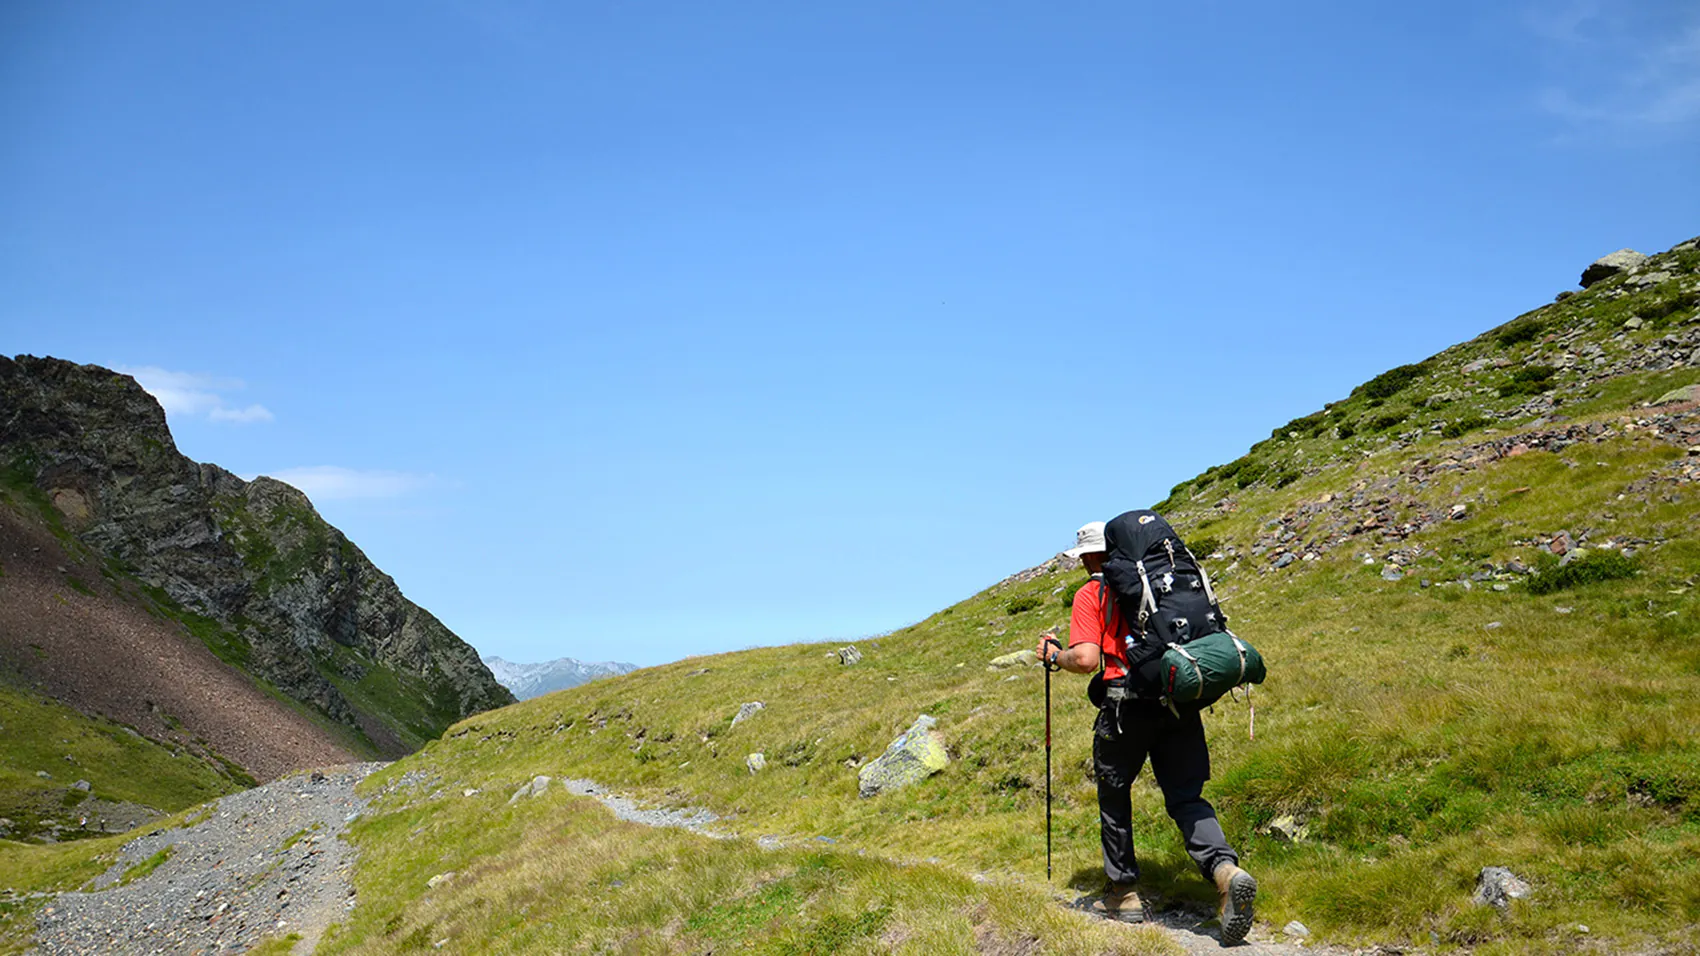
(1049, 667)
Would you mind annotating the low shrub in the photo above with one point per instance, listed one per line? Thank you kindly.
(1204, 546)
(1073, 589)
(1518, 331)
(1664, 308)
(1382, 423)
(1306, 427)
(1284, 478)
(1345, 430)
(1464, 426)
(1592, 566)
(1021, 604)
(1392, 382)
(1528, 380)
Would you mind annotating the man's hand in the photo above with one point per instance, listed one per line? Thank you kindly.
(1049, 646)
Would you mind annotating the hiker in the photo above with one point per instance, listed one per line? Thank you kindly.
(1132, 724)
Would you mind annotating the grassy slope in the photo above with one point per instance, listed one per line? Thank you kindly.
(1419, 742)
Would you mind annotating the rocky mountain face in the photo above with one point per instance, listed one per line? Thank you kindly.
(535, 680)
(249, 566)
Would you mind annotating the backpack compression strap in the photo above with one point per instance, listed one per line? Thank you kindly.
(1147, 603)
(1209, 592)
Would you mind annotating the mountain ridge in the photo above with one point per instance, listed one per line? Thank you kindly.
(536, 679)
(249, 567)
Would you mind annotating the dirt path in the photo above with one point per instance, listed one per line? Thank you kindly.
(265, 862)
(270, 861)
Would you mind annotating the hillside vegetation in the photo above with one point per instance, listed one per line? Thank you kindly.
(1446, 692)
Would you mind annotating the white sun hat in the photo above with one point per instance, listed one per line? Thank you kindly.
(1090, 537)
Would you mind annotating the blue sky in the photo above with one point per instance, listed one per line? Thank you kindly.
(636, 331)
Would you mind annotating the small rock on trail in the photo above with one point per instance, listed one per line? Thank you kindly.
(268, 861)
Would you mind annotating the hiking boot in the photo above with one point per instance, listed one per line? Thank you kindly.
(1121, 903)
(1238, 890)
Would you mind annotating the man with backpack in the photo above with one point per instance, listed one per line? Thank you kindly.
(1134, 721)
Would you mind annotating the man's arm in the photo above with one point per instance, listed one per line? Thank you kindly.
(1079, 659)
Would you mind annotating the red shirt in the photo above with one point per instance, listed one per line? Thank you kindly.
(1086, 626)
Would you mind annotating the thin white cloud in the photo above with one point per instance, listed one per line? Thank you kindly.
(193, 395)
(331, 482)
(1620, 69)
(241, 416)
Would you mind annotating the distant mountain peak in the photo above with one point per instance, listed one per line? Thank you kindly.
(534, 680)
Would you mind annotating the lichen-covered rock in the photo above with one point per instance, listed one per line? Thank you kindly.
(916, 755)
(1021, 658)
(1683, 395)
(291, 599)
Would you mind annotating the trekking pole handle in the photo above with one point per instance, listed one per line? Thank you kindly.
(1050, 660)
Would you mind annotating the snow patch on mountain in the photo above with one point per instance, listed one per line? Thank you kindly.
(535, 680)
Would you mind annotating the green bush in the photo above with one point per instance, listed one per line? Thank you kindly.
(1464, 426)
(1345, 430)
(1306, 427)
(1284, 478)
(1021, 604)
(1073, 589)
(1528, 380)
(1667, 307)
(1250, 474)
(1204, 546)
(1392, 382)
(1592, 566)
(1518, 331)
(1382, 423)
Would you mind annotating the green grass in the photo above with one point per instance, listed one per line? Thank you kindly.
(275, 946)
(142, 869)
(121, 765)
(557, 874)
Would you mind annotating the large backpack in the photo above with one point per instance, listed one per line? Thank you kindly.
(1150, 568)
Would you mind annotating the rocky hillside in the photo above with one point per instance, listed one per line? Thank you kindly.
(535, 680)
(248, 567)
(1473, 579)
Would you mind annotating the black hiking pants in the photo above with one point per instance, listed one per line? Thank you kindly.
(1180, 759)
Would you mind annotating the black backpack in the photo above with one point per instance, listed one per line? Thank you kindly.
(1147, 566)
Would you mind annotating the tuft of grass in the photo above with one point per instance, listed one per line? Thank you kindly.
(275, 946)
(147, 866)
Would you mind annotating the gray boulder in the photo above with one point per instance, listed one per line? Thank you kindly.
(756, 762)
(849, 655)
(1607, 266)
(1497, 886)
(916, 755)
(746, 711)
(534, 788)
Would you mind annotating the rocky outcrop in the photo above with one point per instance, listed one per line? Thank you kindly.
(274, 588)
(1607, 266)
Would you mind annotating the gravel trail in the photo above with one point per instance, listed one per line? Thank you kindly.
(266, 862)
